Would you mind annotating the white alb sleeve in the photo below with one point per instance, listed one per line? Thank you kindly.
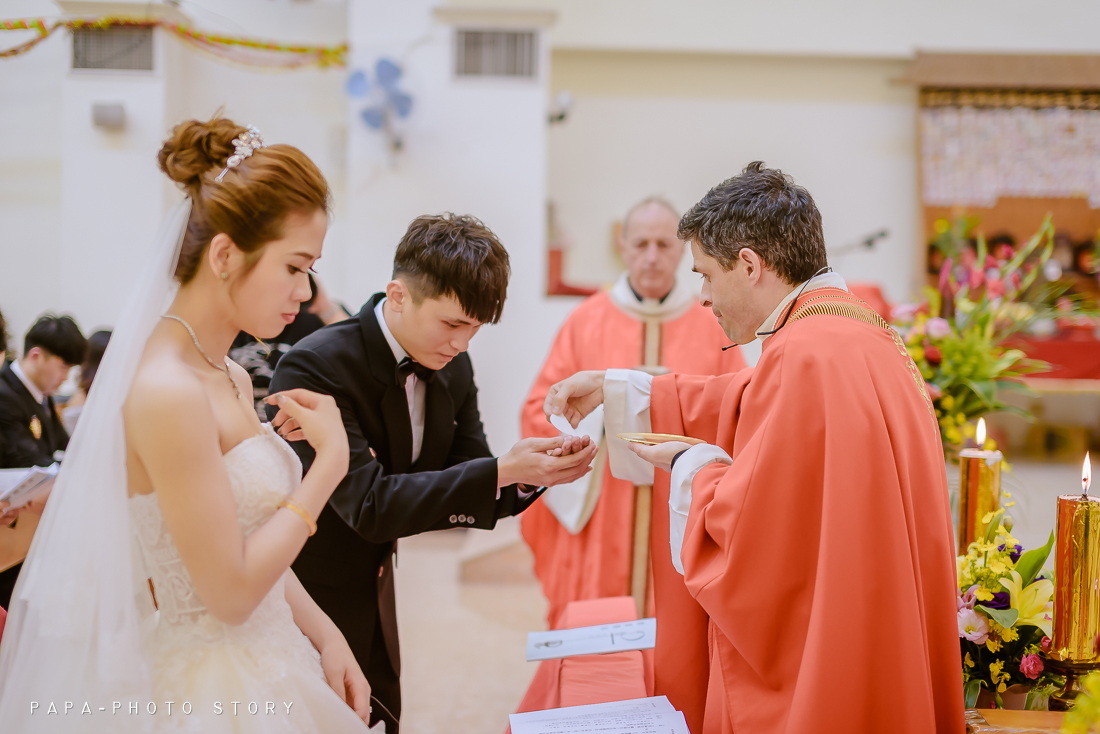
(626, 410)
(679, 492)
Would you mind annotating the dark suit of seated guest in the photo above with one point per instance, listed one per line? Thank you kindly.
(30, 426)
(419, 457)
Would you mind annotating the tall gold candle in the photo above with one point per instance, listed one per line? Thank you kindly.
(979, 489)
(1077, 576)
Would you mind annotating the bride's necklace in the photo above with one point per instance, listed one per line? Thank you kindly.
(212, 363)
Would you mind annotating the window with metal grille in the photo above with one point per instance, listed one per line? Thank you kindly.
(113, 48)
(495, 53)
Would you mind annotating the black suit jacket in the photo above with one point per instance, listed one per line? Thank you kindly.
(346, 565)
(18, 409)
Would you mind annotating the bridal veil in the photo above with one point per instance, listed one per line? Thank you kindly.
(73, 634)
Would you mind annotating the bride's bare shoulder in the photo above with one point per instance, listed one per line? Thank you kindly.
(165, 389)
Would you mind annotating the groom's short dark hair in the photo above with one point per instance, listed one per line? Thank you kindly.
(455, 255)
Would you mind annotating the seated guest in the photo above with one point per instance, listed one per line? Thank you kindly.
(29, 421)
(259, 358)
(97, 345)
(419, 458)
(30, 426)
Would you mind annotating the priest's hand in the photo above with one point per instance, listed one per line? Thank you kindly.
(660, 455)
(530, 462)
(575, 397)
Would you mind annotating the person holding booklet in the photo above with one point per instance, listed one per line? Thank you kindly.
(30, 425)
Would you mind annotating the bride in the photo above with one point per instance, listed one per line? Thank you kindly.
(174, 497)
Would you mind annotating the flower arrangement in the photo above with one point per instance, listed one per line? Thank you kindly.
(1085, 713)
(1004, 615)
(959, 335)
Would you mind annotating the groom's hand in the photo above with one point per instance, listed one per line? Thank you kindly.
(575, 397)
(531, 462)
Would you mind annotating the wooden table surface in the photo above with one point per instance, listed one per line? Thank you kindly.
(991, 721)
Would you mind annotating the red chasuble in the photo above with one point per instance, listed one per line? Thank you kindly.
(823, 555)
(596, 562)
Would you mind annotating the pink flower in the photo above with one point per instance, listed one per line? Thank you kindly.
(934, 391)
(995, 288)
(945, 273)
(933, 355)
(1031, 666)
(990, 262)
(904, 312)
(1005, 252)
(1045, 643)
(977, 277)
(938, 328)
(973, 626)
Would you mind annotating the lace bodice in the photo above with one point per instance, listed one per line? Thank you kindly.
(262, 470)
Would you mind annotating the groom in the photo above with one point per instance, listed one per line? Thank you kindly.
(419, 458)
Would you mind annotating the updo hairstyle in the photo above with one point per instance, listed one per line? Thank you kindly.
(252, 201)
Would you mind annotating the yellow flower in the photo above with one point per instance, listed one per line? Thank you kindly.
(1001, 687)
(941, 226)
(960, 419)
(953, 435)
(983, 594)
(1009, 634)
(968, 661)
(917, 353)
(993, 643)
(997, 567)
(1033, 603)
(947, 401)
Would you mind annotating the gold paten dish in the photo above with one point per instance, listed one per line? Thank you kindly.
(652, 439)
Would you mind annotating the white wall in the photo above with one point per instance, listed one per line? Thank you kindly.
(470, 146)
(89, 274)
(820, 27)
(677, 124)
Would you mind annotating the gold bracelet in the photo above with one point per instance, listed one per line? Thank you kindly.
(300, 511)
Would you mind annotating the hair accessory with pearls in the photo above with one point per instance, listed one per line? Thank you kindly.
(245, 144)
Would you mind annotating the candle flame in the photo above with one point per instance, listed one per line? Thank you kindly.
(1086, 475)
(980, 434)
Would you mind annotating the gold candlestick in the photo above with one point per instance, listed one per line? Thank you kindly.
(1076, 590)
(979, 489)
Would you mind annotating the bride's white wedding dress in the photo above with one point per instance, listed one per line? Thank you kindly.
(264, 665)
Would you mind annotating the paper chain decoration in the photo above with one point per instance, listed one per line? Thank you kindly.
(227, 48)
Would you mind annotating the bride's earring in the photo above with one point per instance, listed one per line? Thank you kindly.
(225, 275)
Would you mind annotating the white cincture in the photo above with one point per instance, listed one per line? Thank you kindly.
(245, 145)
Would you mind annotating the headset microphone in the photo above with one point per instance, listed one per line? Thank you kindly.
(731, 346)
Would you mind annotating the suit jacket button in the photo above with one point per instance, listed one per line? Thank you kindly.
(470, 520)
(462, 518)
(454, 518)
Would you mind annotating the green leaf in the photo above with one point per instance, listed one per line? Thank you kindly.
(1003, 617)
(1017, 387)
(973, 687)
(994, 523)
(984, 389)
(1031, 563)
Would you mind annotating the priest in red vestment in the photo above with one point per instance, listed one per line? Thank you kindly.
(812, 525)
(582, 534)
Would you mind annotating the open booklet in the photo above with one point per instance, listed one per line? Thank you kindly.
(639, 716)
(20, 486)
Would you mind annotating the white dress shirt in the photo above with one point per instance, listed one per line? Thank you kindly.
(415, 389)
(31, 387)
